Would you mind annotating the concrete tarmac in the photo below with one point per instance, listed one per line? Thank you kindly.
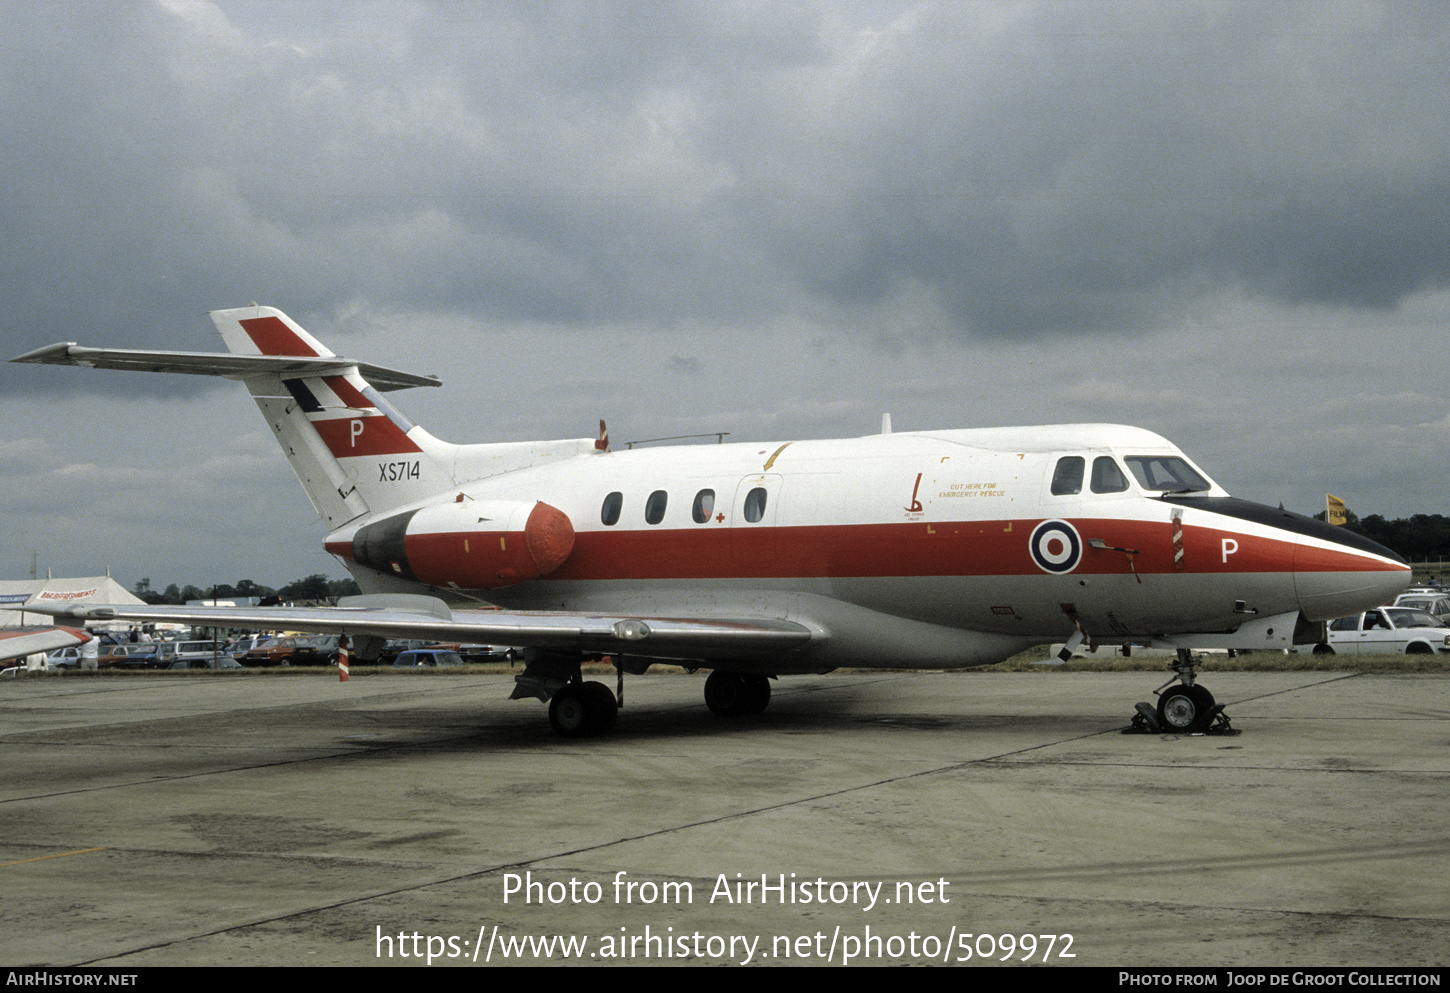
(881, 818)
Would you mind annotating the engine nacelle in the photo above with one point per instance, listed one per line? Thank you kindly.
(468, 544)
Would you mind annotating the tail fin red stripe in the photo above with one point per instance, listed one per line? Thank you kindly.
(273, 337)
(347, 437)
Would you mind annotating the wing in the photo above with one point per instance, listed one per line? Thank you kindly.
(705, 641)
(27, 641)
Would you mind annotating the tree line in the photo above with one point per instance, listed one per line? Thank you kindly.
(1421, 538)
(315, 587)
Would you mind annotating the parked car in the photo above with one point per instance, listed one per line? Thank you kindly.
(1386, 630)
(220, 662)
(110, 655)
(170, 652)
(296, 649)
(137, 655)
(64, 658)
(242, 646)
(427, 658)
(1436, 604)
(396, 647)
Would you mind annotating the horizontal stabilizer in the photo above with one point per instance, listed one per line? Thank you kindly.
(230, 366)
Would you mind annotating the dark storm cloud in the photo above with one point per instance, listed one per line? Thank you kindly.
(1076, 165)
(1024, 169)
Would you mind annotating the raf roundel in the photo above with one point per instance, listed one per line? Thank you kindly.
(1056, 546)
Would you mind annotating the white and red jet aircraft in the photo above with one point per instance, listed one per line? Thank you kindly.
(923, 549)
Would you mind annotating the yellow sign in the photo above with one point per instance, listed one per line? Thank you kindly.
(1334, 509)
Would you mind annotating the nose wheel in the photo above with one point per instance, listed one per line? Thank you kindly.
(1184, 707)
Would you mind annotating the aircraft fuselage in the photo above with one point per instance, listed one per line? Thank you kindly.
(974, 531)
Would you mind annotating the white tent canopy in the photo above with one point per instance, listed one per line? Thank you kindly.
(94, 589)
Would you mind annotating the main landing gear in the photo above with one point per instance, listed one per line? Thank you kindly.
(580, 708)
(1184, 708)
(730, 694)
(583, 709)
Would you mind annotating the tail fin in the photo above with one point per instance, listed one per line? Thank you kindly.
(353, 452)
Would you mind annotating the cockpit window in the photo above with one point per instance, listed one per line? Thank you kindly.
(1107, 477)
(1067, 477)
(1167, 473)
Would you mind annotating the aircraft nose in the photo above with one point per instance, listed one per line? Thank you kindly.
(1338, 572)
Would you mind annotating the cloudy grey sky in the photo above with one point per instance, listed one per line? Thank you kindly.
(1226, 222)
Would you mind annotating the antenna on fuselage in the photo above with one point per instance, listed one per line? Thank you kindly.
(885, 423)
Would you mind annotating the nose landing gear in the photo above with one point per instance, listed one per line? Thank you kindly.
(1186, 708)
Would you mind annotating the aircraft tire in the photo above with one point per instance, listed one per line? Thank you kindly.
(757, 690)
(570, 712)
(604, 711)
(727, 694)
(1184, 709)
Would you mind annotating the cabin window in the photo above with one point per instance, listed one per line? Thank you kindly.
(609, 513)
(1107, 477)
(1067, 477)
(654, 507)
(755, 505)
(704, 506)
(1164, 472)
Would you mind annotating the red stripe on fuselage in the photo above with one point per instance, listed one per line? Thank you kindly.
(972, 548)
(273, 337)
(346, 437)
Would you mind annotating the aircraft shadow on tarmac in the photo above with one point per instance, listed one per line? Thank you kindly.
(848, 709)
